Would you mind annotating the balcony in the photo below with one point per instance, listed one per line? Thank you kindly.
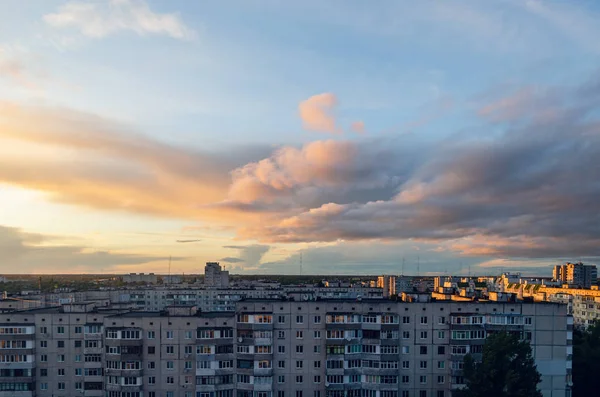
(93, 350)
(263, 386)
(93, 336)
(263, 371)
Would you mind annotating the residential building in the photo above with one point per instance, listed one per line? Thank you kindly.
(388, 284)
(576, 274)
(271, 348)
(214, 277)
(140, 278)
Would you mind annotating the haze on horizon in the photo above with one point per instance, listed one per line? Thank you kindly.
(350, 133)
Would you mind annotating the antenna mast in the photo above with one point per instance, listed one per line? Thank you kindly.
(169, 277)
(403, 266)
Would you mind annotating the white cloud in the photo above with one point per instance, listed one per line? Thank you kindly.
(99, 20)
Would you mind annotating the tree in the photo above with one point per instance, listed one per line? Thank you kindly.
(507, 369)
(586, 361)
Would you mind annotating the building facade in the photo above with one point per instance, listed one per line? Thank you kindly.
(268, 348)
(214, 276)
(576, 274)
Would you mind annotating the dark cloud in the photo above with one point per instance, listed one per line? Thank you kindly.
(229, 259)
(249, 255)
(24, 252)
(530, 190)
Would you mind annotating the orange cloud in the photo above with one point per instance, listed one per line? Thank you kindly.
(317, 113)
(82, 159)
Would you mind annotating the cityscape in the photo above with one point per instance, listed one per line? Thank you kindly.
(316, 198)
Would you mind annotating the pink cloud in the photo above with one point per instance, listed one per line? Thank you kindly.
(358, 127)
(317, 113)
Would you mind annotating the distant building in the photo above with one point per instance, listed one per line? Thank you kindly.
(388, 283)
(214, 277)
(576, 274)
(172, 279)
(140, 278)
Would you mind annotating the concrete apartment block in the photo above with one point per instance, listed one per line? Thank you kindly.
(271, 348)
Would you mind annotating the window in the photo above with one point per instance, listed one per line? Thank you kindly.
(423, 379)
(405, 349)
(528, 320)
(440, 393)
(43, 358)
(317, 393)
(405, 334)
(441, 364)
(317, 379)
(170, 349)
(281, 379)
(423, 319)
(299, 349)
(280, 349)
(441, 379)
(60, 330)
(170, 365)
(77, 358)
(281, 335)
(151, 334)
(317, 319)
(405, 379)
(61, 385)
(78, 371)
(61, 372)
(441, 320)
(188, 335)
(423, 393)
(423, 364)
(169, 334)
(151, 349)
(60, 358)
(43, 372)
(44, 343)
(405, 364)
(299, 364)
(422, 349)
(151, 380)
(298, 393)
(423, 334)
(299, 319)
(43, 386)
(280, 393)
(299, 334)
(77, 343)
(317, 334)
(151, 364)
(317, 364)
(441, 334)
(281, 364)
(170, 379)
(317, 349)
(281, 319)
(405, 320)
(299, 379)
(441, 350)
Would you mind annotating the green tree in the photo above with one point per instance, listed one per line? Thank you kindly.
(507, 369)
(586, 361)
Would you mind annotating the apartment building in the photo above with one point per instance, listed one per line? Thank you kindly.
(270, 348)
(214, 276)
(576, 274)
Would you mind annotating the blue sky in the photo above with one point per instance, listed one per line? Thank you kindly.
(193, 95)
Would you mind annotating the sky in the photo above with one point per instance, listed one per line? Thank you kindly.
(277, 137)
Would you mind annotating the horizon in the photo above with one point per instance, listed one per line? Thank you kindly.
(319, 137)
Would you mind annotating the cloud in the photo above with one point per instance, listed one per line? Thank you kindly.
(358, 127)
(14, 69)
(25, 252)
(529, 191)
(317, 113)
(98, 20)
(117, 168)
(249, 255)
